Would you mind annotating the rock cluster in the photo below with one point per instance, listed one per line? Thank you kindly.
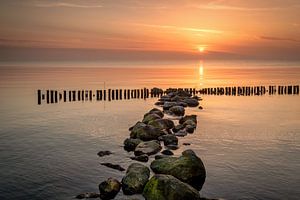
(175, 178)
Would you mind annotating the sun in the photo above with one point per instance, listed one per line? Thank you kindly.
(201, 49)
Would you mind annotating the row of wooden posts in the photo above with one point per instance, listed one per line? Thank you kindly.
(55, 96)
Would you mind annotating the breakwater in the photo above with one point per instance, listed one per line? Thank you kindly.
(52, 96)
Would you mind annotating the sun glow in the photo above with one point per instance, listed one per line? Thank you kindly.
(201, 49)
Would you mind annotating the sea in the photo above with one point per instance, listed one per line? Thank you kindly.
(250, 145)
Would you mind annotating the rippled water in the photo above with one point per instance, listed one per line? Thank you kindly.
(249, 145)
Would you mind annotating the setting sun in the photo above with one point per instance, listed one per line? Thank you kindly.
(201, 49)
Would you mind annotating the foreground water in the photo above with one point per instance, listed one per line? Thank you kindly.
(249, 145)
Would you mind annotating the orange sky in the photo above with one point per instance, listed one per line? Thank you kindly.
(255, 28)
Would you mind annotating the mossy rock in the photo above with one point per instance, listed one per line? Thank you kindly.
(130, 144)
(109, 189)
(162, 123)
(188, 168)
(188, 117)
(150, 117)
(149, 148)
(137, 175)
(167, 187)
(146, 132)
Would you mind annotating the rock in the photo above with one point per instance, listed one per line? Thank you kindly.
(183, 104)
(183, 93)
(190, 123)
(150, 117)
(167, 105)
(130, 144)
(186, 143)
(172, 146)
(188, 117)
(178, 128)
(200, 107)
(156, 91)
(156, 111)
(181, 133)
(113, 166)
(167, 152)
(189, 129)
(187, 168)
(149, 148)
(87, 195)
(159, 103)
(169, 139)
(146, 132)
(191, 102)
(177, 110)
(103, 153)
(137, 125)
(141, 158)
(160, 157)
(162, 123)
(109, 189)
(136, 177)
(167, 187)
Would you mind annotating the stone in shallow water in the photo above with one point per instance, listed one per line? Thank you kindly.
(130, 144)
(167, 187)
(145, 132)
(188, 117)
(150, 117)
(167, 152)
(87, 195)
(169, 139)
(188, 168)
(109, 189)
(136, 177)
(113, 166)
(189, 129)
(149, 148)
(177, 110)
(103, 153)
(191, 102)
(181, 133)
(162, 123)
(141, 158)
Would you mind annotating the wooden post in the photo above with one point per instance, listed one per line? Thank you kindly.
(55, 96)
(290, 89)
(52, 96)
(109, 94)
(39, 95)
(296, 89)
(121, 94)
(104, 95)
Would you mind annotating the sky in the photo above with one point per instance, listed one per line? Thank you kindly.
(182, 28)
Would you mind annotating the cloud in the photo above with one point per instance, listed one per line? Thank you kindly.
(64, 4)
(182, 28)
(279, 39)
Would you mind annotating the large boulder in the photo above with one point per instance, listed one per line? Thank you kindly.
(136, 177)
(162, 123)
(150, 117)
(130, 144)
(109, 189)
(149, 148)
(177, 110)
(188, 117)
(145, 132)
(167, 187)
(188, 168)
(191, 102)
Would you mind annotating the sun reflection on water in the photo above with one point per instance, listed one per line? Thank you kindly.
(201, 73)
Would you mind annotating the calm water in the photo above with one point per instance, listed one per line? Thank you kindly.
(249, 145)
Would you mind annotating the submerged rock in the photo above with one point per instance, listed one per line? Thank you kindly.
(149, 148)
(113, 166)
(103, 153)
(167, 105)
(136, 177)
(141, 158)
(167, 187)
(160, 157)
(146, 132)
(87, 195)
(109, 189)
(177, 110)
(187, 168)
(130, 144)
